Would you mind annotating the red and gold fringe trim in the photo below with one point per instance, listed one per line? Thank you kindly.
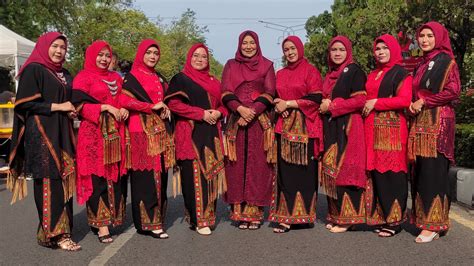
(69, 186)
(176, 182)
(170, 152)
(112, 150)
(128, 150)
(328, 183)
(387, 136)
(17, 186)
(156, 143)
(424, 145)
(294, 152)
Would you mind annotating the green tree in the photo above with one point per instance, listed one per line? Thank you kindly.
(363, 20)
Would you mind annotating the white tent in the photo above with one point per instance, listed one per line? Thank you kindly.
(14, 49)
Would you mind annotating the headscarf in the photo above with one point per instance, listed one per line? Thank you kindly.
(40, 53)
(141, 50)
(90, 64)
(395, 50)
(334, 69)
(202, 77)
(247, 69)
(442, 42)
(299, 46)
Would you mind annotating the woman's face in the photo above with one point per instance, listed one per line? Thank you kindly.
(338, 53)
(103, 58)
(151, 57)
(382, 53)
(290, 51)
(248, 47)
(426, 40)
(200, 59)
(57, 50)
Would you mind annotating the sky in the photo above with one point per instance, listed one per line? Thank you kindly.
(226, 19)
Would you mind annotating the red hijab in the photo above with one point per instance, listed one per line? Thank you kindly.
(395, 50)
(40, 53)
(244, 68)
(442, 43)
(202, 77)
(138, 63)
(90, 64)
(334, 69)
(300, 47)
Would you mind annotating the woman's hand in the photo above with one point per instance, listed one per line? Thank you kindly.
(280, 105)
(247, 113)
(417, 106)
(324, 106)
(241, 122)
(208, 117)
(123, 114)
(63, 107)
(158, 106)
(165, 113)
(285, 114)
(112, 110)
(215, 114)
(369, 106)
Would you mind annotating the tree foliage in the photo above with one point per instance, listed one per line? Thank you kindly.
(115, 21)
(363, 20)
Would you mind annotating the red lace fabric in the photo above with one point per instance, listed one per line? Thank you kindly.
(384, 161)
(446, 99)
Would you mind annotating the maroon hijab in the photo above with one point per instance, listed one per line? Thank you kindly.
(138, 63)
(244, 68)
(40, 53)
(442, 43)
(334, 69)
(300, 47)
(202, 77)
(395, 51)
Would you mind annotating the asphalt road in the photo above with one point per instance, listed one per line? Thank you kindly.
(227, 244)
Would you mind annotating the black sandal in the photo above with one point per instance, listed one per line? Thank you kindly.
(281, 229)
(390, 232)
(105, 239)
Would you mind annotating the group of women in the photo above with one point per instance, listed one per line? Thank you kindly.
(254, 137)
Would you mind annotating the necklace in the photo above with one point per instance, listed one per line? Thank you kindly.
(112, 86)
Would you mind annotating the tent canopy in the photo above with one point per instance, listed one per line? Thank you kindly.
(14, 49)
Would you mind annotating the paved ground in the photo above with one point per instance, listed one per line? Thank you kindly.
(228, 245)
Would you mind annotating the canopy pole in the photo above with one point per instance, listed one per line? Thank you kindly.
(16, 73)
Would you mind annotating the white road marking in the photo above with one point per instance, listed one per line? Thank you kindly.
(113, 248)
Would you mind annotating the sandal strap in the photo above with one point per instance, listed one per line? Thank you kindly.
(104, 237)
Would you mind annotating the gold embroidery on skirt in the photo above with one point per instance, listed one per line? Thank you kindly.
(294, 139)
(329, 171)
(423, 139)
(387, 131)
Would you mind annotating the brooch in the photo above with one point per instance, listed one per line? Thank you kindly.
(430, 65)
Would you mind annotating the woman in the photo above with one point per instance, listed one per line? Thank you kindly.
(43, 140)
(436, 89)
(97, 95)
(194, 96)
(343, 168)
(149, 146)
(299, 137)
(386, 134)
(248, 88)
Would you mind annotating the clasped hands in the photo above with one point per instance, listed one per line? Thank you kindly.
(415, 107)
(246, 115)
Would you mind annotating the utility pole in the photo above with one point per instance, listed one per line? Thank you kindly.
(285, 30)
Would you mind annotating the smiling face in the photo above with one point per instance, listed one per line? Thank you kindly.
(338, 53)
(200, 59)
(248, 47)
(382, 53)
(57, 50)
(426, 40)
(151, 57)
(103, 58)
(290, 51)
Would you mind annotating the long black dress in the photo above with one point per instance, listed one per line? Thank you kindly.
(43, 149)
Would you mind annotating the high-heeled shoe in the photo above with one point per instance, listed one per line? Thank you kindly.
(426, 239)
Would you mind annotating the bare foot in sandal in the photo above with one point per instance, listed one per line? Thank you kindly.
(329, 226)
(68, 245)
(282, 228)
(104, 235)
(340, 228)
(243, 225)
(254, 225)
